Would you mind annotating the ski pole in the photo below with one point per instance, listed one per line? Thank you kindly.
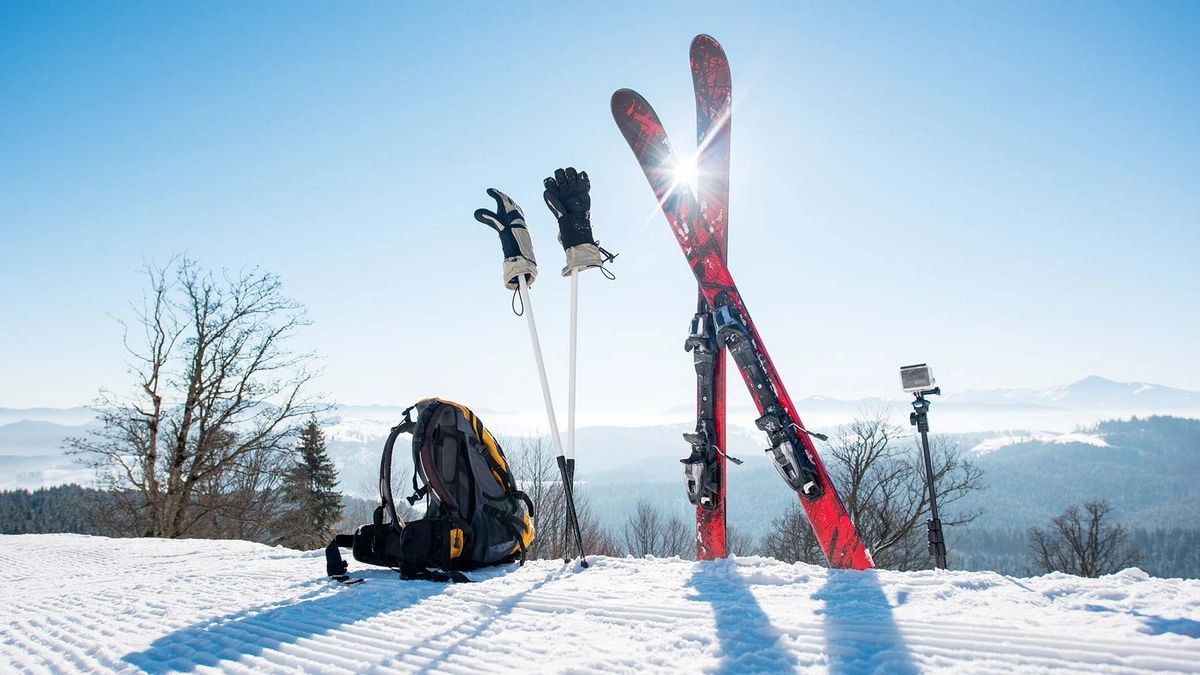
(574, 340)
(523, 288)
(567, 196)
(520, 270)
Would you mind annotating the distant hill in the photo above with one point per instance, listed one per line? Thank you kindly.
(64, 416)
(1146, 466)
(1090, 393)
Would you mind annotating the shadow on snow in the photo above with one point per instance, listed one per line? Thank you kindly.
(749, 643)
(860, 632)
(1153, 624)
(252, 632)
(256, 631)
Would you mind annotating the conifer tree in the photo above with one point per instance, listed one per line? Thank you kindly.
(314, 506)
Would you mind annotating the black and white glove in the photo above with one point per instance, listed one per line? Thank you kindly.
(567, 197)
(509, 221)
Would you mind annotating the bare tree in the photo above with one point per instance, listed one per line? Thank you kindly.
(535, 468)
(678, 539)
(881, 480)
(882, 483)
(791, 538)
(738, 542)
(643, 531)
(649, 532)
(1085, 544)
(199, 448)
(597, 539)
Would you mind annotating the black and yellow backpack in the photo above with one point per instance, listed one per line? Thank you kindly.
(475, 516)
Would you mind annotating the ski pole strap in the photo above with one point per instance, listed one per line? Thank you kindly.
(608, 257)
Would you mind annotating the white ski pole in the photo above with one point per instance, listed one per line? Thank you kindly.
(541, 366)
(523, 288)
(571, 373)
(571, 383)
(520, 264)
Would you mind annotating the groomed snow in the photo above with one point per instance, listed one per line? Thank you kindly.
(88, 604)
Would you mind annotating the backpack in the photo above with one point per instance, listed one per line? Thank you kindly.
(475, 516)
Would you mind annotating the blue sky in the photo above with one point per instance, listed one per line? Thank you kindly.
(1009, 191)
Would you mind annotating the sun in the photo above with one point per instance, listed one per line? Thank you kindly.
(685, 173)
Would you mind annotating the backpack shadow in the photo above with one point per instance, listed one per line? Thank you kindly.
(252, 632)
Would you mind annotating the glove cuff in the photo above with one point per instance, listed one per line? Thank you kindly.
(518, 257)
(515, 267)
(582, 257)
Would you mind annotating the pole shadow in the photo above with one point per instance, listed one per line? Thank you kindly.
(860, 631)
(251, 632)
(255, 631)
(749, 643)
(462, 635)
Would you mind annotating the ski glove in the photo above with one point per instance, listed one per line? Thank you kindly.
(567, 198)
(509, 221)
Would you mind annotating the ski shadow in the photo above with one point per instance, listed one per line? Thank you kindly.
(1157, 625)
(860, 631)
(1154, 624)
(251, 632)
(749, 643)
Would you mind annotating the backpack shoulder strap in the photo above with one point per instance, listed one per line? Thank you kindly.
(385, 465)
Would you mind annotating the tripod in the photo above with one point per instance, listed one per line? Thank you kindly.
(919, 418)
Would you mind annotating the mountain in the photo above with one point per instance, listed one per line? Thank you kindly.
(1090, 393)
(1146, 468)
(624, 463)
(65, 416)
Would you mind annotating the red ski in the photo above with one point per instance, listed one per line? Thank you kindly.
(714, 97)
(792, 450)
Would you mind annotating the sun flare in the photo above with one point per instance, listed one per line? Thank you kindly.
(685, 173)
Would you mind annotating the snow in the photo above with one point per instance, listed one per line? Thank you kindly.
(993, 444)
(89, 604)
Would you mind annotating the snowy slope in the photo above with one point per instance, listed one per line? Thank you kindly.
(993, 444)
(85, 604)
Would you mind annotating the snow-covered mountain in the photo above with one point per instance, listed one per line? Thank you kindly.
(95, 605)
(65, 416)
(1090, 393)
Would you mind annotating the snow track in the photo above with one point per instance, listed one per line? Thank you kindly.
(88, 604)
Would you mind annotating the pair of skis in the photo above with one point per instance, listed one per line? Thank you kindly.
(722, 322)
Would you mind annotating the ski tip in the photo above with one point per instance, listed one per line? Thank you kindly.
(626, 101)
(704, 41)
(623, 94)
